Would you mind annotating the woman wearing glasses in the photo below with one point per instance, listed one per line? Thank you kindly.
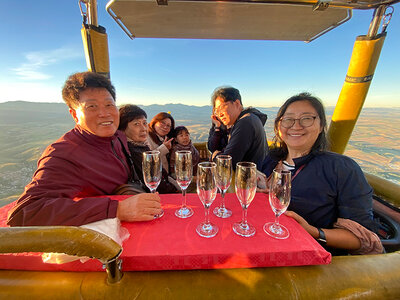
(331, 198)
(160, 135)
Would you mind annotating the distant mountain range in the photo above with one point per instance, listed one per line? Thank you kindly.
(26, 128)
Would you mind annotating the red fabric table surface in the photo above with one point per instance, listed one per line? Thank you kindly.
(170, 243)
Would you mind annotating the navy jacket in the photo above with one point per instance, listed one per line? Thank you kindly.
(330, 186)
(247, 140)
(217, 140)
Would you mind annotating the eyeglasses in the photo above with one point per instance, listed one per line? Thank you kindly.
(222, 108)
(305, 121)
(165, 125)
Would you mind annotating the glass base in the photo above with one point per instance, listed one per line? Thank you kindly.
(184, 212)
(159, 215)
(222, 212)
(244, 229)
(276, 230)
(207, 230)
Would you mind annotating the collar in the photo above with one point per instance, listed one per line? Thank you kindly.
(287, 166)
(299, 161)
(137, 144)
(182, 147)
(92, 138)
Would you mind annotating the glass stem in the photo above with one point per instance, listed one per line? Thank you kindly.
(207, 216)
(277, 220)
(244, 215)
(184, 197)
(223, 199)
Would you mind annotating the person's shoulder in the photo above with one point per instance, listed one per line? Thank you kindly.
(120, 134)
(267, 164)
(245, 119)
(249, 118)
(337, 159)
(193, 147)
(151, 142)
(254, 115)
(68, 138)
(332, 156)
(65, 144)
(174, 147)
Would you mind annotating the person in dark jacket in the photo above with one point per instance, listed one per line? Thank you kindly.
(246, 140)
(133, 122)
(330, 197)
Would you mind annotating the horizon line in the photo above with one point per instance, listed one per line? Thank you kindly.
(61, 102)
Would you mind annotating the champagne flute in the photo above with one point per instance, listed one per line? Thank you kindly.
(151, 166)
(245, 186)
(206, 190)
(183, 172)
(279, 199)
(223, 176)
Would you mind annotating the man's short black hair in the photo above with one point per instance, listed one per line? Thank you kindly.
(78, 82)
(226, 93)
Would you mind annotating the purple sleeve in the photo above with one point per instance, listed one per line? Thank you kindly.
(49, 199)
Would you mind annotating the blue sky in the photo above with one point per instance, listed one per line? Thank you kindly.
(41, 45)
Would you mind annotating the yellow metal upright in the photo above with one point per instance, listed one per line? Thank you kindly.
(362, 66)
(96, 49)
(94, 39)
(361, 70)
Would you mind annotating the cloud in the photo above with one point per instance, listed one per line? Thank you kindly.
(32, 68)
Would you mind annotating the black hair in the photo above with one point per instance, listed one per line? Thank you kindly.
(226, 93)
(128, 113)
(78, 82)
(279, 149)
(179, 129)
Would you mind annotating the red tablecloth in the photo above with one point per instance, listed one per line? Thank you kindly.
(170, 243)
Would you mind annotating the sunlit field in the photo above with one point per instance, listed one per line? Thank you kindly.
(27, 128)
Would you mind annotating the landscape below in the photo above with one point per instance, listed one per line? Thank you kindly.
(26, 128)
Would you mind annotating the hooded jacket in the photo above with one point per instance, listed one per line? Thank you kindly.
(247, 140)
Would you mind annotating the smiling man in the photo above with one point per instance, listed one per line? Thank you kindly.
(76, 172)
(246, 140)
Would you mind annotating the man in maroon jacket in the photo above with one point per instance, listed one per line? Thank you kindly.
(76, 172)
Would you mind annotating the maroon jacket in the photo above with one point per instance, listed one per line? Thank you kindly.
(70, 172)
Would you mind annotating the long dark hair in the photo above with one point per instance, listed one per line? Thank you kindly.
(279, 149)
(158, 118)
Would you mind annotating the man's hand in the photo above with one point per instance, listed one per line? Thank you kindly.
(168, 143)
(215, 121)
(214, 155)
(141, 207)
(262, 183)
